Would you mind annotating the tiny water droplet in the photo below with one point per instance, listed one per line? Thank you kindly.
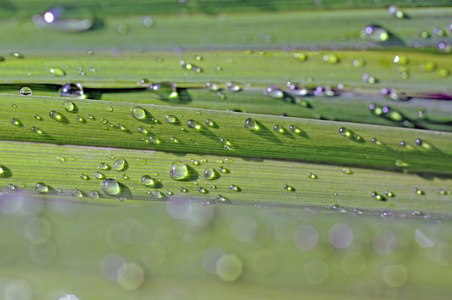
(193, 124)
(349, 134)
(36, 130)
(210, 123)
(168, 193)
(312, 176)
(154, 140)
(120, 165)
(300, 56)
(147, 21)
(202, 190)
(223, 170)
(178, 171)
(84, 177)
(41, 187)
(57, 72)
(69, 106)
(53, 114)
(233, 87)
(423, 33)
(104, 166)
(142, 130)
(442, 192)
(183, 190)
(80, 119)
(288, 188)
(16, 122)
(99, 175)
(38, 117)
(274, 91)
(389, 194)
(401, 163)
(387, 215)
(213, 186)
(109, 108)
(234, 188)
(61, 159)
(91, 117)
(419, 192)
(331, 58)
(111, 187)
(294, 129)
(377, 196)
(396, 12)
(221, 199)
(25, 91)
(347, 171)
(148, 181)
(338, 208)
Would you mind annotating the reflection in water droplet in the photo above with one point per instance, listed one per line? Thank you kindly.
(72, 90)
(178, 171)
(25, 91)
(111, 187)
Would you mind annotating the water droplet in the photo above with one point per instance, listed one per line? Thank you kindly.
(99, 175)
(111, 187)
(274, 91)
(347, 171)
(195, 162)
(178, 171)
(401, 60)
(210, 123)
(165, 90)
(67, 18)
(358, 63)
(288, 188)
(233, 87)
(25, 91)
(56, 116)
(374, 33)
(72, 90)
(154, 140)
(91, 117)
(428, 66)
(36, 130)
(443, 72)
(210, 174)
(369, 79)
(148, 181)
(349, 134)
(171, 119)
(41, 187)
(168, 193)
(38, 117)
(76, 193)
(57, 72)
(174, 140)
(142, 130)
(235, 188)
(251, 124)
(94, 195)
(377, 196)
(278, 129)
(183, 190)
(122, 28)
(419, 192)
(331, 58)
(192, 124)
(109, 108)
(16, 122)
(423, 33)
(396, 12)
(84, 177)
(213, 186)
(389, 194)
(312, 176)
(444, 46)
(202, 190)
(300, 56)
(338, 208)
(120, 165)
(401, 163)
(387, 215)
(223, 170)
(80, 119)
(69, 106)
(157, 194)
(147, 21)
(104, 166)
(138, 113)
(221, 199)
(442, 192)
(16, 54)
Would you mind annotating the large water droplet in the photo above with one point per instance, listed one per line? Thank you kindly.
(69, 106)
(68, 18)
(111, 187)
(178, 171)
(72, 90)
(210, 174)
(25, 91)
(138, 113)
